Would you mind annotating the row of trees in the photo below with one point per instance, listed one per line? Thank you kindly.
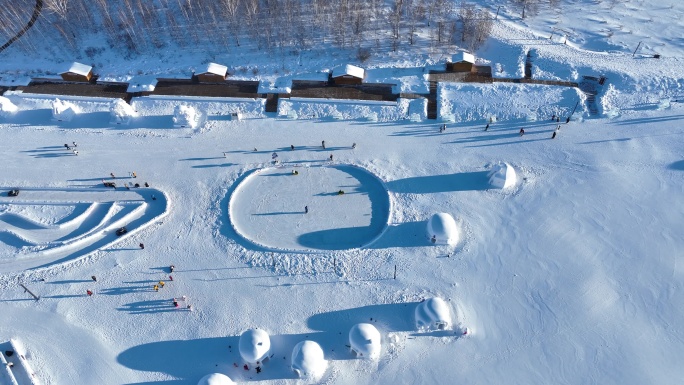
(141, 25)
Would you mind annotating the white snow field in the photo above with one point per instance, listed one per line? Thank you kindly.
(573, 275)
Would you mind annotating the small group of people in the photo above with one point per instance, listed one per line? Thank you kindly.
(72, 147)
(442, 128)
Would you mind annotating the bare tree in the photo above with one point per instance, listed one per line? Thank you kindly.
(58, 7)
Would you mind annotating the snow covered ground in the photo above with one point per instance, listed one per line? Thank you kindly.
(571, 276)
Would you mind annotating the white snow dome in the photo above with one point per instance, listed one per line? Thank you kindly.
(442, 229)
(185, 116)
(216, 379)
(308, 360)
(365, 341)
(502, 176)
(433, 314)
(254, 345)
(63, 111)
(7, 107)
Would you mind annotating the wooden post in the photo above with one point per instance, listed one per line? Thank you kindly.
(26, 290)
(395, 271)
(637, 48)
(497, 12)
(335, 264)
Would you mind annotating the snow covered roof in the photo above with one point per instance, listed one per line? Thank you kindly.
(442, 229)
(308, 360)
(142, 83)
(502, 176)
(433, 313)
(463, 57)
(365, 340)
(350, 70)
(215, 379)
(80, 69)
(216, 69)
(254, 345)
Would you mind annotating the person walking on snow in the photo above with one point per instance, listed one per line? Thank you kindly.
(323, 144)
(89, 292)
(112, 175)
(161, 284)
(522, 131)
(353, 145)
(142, 246)
(292, 147)
(487, 127)
(156, 287)
(553, 136)
(331, 157)
(74, 143)
(306, 209)
(172, 268)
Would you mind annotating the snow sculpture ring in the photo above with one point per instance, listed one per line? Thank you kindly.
(325, 207)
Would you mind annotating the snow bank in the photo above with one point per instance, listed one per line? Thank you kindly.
(466, 102)
(442, 229)
(158, 105)
(433, 314)
(308, 360)
(304, 108)
(63, 111)
(121, 111)
(215, 379)
(185, 116)
(365, 341)
(502, 176)
(254, 345)
(7, 107)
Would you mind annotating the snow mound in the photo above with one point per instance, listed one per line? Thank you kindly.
(63, 111)
(254, 345)
(121, 111)
(185, 116)
(215, 379)
(442, 229)
(502, 176)
(308, 360)
(433, 314)
(365, 341)
(7, 107)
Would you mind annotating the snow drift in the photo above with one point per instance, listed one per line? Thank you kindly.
(121, 111)
(433, 314)
(63, 111)
(7, 107)
(254, 345)
(185, 116)
(442, 229)
(502, 176)
(308, 360)
(365, 341)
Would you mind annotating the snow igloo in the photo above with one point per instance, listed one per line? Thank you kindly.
(433, 314)
(502, 176)
(308, 361)
(365, 341)
(254, 345)
(121, 112)
(442, 229)
(185, 116)
(216, 379)
(63, 111)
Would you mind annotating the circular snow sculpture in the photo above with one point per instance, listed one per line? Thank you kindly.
(442, 229)
(433, 314)
(308, 360)
(365, 341)
(254, 345)
(121, 112)
(502, 176)
(216, 379)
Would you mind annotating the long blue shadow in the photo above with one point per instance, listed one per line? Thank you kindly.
(466, 181)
